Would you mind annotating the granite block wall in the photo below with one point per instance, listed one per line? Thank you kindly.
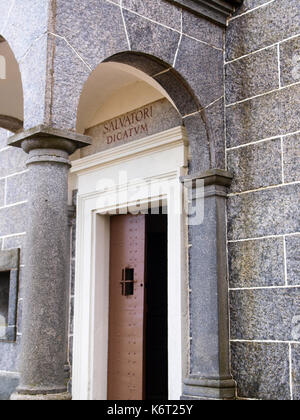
(13, 216)
(262, 104)
(262, 70)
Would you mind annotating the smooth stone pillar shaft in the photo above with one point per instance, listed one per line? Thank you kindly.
(46, 282)
(45, 305)
(209, 375)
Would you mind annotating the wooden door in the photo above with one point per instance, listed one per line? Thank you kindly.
(126, 308)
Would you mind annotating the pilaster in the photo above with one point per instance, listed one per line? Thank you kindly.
(209, 376)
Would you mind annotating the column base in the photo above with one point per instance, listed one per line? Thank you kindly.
(196, 388)
(41, 397)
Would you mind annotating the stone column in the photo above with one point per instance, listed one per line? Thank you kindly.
(209, 375)
(44, 328)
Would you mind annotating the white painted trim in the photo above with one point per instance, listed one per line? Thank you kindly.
(162, 158)
(168, 139)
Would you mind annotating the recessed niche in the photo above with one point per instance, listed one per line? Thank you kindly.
(4, 302)
(9, 276)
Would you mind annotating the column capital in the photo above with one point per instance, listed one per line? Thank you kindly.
(210, 177)
(46, 137)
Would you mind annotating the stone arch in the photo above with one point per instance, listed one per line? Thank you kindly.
(204, 125)
(11, 100)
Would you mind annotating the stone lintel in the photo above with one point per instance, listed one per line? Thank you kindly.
(48, 135)
(9, 259)
(210, 177)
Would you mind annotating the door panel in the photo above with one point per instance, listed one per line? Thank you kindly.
(126, 310)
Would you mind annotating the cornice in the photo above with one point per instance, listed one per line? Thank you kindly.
(215, 10)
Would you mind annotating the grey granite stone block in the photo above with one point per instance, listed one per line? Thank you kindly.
(9, 356)
(17, 188)
(3, 138)
(252, 75)
(215, 125)
(268, 212)
(2, 192)
(8, 384)
(291, 158)
(202, 67)
(157, 10)
(262, 27)
(255, 166)
(202, 29)
(265, 314)
(290, 61)
(150, 38)
(4, 12)
(199, 144)
(248, 5)
(26, 22)
(184, 99)
(94, 28)
(256, 263)
(296, 371)
(13, 219)
(68, 81)
(9, 259)
(12, 161)
(34, 74)
(261, 370)
(146, 64)
(263, 117)
(14, 242)
(19, 317)
(293, 259)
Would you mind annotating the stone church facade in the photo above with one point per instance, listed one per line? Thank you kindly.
(202, 96)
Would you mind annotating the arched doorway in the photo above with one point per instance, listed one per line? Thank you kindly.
(139, 151)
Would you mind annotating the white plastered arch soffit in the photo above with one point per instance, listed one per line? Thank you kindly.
(152, 166)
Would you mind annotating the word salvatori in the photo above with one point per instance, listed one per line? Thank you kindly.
(123, 128)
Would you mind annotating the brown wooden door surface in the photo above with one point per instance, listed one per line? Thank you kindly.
(126, 312)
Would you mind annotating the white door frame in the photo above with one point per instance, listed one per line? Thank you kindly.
(159, 160)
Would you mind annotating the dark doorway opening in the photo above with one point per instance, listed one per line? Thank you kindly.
(156, 308)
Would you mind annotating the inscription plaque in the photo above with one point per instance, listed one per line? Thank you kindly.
(142, 122)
